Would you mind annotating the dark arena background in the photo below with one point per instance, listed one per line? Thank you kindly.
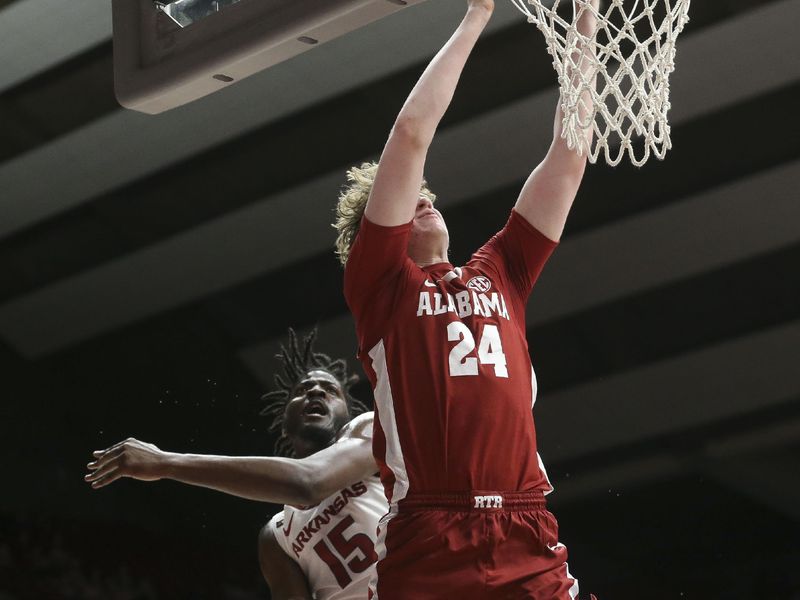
(150, 266)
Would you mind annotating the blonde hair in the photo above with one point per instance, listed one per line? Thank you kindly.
(352, 202)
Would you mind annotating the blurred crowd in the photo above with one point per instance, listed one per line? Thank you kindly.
(46, 560)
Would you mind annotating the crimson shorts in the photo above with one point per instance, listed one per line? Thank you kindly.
(472, 546)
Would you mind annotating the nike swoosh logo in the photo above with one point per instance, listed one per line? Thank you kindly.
(288, 528)
(429, 284)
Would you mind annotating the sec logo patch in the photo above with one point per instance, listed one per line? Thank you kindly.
(479, 284)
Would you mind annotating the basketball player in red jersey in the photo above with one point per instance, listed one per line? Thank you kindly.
(322, 545)
(445, 350)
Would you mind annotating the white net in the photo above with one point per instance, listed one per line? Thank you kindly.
(613, 64)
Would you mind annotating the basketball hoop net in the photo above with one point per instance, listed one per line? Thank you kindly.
(616, 83)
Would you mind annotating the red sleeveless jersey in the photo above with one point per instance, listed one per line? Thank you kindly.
(445, 350)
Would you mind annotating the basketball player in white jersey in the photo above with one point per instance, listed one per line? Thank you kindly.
(322, 545)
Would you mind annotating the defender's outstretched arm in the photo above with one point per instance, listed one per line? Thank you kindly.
(396, 189)
(305, 481)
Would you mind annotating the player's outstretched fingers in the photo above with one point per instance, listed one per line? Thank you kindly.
(103, 459)
(132, 458)
(104, 477)
(101, 474)
(114, 447)
(109, 462)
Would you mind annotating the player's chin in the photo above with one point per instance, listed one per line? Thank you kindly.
(318, 433)
(438, 227)
(316, 423)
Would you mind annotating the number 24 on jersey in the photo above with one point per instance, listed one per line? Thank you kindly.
(462, 359)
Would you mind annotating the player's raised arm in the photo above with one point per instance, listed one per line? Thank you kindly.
(278, 480)
(285, 578)
(547, 195)
(396, 189)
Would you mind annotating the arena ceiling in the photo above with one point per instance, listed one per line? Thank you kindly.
(147, 258)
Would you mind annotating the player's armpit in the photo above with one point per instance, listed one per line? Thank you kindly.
(283, 575)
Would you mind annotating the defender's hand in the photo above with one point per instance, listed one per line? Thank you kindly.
(129, 458)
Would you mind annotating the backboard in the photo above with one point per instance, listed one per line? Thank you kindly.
(169, 53)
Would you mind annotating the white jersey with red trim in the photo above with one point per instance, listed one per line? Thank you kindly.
(334, 542)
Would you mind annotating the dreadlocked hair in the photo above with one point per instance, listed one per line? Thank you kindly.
(298, 359)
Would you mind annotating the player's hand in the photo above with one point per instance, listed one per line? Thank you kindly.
(129, 458)
(487, 5)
